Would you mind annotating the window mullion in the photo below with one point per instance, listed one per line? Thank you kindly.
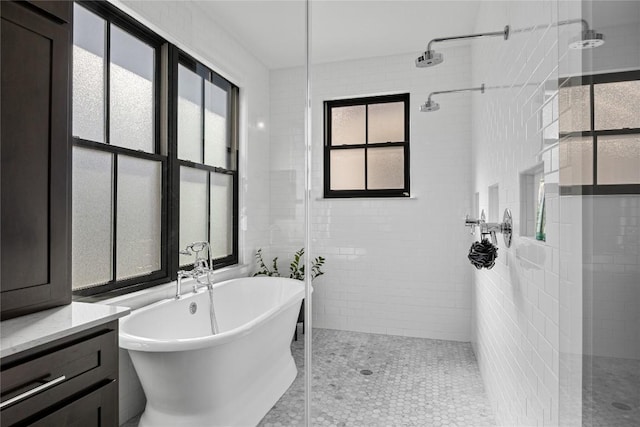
(114, 218)
(107, 83)
(366, 150)
(593, 128)
(202, 123)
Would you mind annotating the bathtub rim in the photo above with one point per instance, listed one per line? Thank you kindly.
(132, 342)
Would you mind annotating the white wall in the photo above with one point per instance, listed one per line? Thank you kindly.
(516, 307)
(187, 25)
(394, 266)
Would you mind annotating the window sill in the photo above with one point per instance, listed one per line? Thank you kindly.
(141, 298)
(329, 199)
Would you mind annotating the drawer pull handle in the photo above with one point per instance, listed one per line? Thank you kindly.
(31, 392)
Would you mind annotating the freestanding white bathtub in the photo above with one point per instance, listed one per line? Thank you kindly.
(194, 378)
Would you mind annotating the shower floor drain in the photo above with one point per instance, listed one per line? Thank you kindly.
(366, 372)
(621, 406)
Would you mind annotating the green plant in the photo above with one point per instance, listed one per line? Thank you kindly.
(296, 268)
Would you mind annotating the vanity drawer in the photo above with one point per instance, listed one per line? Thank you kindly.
(93, 409)
(49, 378)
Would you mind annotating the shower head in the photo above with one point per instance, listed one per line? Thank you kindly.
(434, 106)
(588, 40)
(429, 106)
(428, 59)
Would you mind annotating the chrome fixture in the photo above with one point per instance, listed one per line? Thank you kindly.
(589, 38)
(201, 267)
(431, 57)
(491, 228)
(431, 105)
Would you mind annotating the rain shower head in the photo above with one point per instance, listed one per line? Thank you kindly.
(429, 106)
(588, 40)
(428, 59)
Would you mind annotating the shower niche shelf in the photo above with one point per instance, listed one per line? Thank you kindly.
(531, 191)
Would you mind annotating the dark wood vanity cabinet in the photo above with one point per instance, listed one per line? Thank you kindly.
(74, 379)
(36, 43)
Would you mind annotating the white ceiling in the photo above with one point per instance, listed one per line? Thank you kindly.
(274, 30)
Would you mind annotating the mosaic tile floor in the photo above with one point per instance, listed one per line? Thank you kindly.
(611, 393)
(380, 380)
(369, 380)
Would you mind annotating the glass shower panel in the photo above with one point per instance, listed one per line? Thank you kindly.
(348, 125)
(138, 232)
(386, 122)
(88, 75)
(193, 209)
(221, 215)
(189, 115)
(131, 104)
(216, 138)
(92, 211)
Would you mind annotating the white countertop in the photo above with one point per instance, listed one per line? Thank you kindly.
(25, 332)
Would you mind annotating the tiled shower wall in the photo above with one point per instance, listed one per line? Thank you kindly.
(516, 304)
(394, 266)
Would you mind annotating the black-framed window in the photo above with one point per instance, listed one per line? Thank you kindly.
(155, 149)
(600, 134)
(366, 150)
(120, 191)
(206, 146)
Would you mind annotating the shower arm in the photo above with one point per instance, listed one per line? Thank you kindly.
(504, 33)
(471, 89)
(585, 24)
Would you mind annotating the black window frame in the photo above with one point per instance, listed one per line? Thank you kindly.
(167, 58)
(114, 16)
(328, 148)
(178, 57)
(591, 81)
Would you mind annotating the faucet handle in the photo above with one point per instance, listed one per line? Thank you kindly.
(185, 252)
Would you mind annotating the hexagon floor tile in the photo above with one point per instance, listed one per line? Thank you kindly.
(369, 380)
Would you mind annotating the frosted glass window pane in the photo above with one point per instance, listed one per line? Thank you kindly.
(88, 75)
(221, 238)
(576, 161)
(91, 213)
(193, 209)
(617, 105)
(189, 115)
(619, 159)
(386, 122)
(347, 169)
(216, 150)
(385, 168)
(139, 217)
(131, 120)
(348, 125)
(575, 109)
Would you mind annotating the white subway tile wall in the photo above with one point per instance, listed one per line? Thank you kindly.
(394, 266)
(516, 305)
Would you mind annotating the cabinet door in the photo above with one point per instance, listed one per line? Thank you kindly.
(96, 409)
(35, 160)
